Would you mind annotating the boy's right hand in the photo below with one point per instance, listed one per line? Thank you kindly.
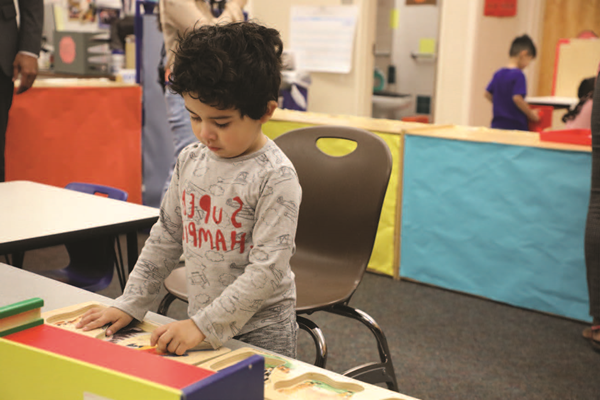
(535, 115)
(98, 317)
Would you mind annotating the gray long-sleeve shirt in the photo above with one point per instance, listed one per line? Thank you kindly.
(235, 222)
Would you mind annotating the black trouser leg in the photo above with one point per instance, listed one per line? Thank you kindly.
(592, 229)
(6, 95)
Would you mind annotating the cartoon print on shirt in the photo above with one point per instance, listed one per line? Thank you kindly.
(241, 179)
(234, 329)
(271, 217)
(267, 191)
(201, 171)
(283, 174)
(214, 256)
(252, 306)
(216, 190)
(259, 279)
(170, 226)
(239, 268)
(259, 254)
(198, 277)
(291, 208)
(282, 242)
(227, 279)
(276, 273)
(202, 300)
(243, 211)
(228, 304)
(264, 162)
(134, 290)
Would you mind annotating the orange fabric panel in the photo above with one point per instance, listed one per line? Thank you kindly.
(86, 134)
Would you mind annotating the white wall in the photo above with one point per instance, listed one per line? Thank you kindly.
(348, 94)
(471, 48)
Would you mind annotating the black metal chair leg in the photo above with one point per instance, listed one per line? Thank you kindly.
(317, 335)
(165, 304)
(372, 372)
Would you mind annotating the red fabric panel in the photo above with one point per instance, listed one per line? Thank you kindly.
(86, 134)
(112, 356)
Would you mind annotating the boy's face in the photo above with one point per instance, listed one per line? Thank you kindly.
(225, 132)
(524, 59)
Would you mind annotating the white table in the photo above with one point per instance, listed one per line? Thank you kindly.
(554, 101)
(34, 215)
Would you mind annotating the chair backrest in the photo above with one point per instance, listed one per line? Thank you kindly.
(91, 188)
(342, 197)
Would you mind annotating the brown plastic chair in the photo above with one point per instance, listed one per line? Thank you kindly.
(341, 205)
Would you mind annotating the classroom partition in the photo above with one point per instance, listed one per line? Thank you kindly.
(491, 213)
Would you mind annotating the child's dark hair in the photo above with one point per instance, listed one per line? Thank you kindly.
(585, 92)
(236, 65)
(522, 43)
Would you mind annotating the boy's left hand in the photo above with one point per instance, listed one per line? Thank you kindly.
(177, 337)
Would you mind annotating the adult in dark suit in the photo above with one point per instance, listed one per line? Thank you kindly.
(19, 49)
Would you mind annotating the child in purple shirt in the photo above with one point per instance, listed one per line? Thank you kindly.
(508, 88)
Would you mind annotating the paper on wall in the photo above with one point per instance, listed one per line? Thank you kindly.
(322, 38)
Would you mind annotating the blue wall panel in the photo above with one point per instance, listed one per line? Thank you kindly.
(503, 222)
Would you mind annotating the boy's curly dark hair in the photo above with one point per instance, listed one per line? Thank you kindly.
(236, 65)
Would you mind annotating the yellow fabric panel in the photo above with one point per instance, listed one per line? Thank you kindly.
(382, 259)
(29, 373)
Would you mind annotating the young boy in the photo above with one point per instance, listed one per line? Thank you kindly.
(231, 207)
(508, 88)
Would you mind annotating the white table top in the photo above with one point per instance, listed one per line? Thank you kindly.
(36, 212)
(555, 101)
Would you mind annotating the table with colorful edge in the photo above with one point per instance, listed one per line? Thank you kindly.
(50, 362)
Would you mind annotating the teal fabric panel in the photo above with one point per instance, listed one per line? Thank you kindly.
(503, 222)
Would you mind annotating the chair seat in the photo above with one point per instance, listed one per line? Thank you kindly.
(176, 284)
(92, 284)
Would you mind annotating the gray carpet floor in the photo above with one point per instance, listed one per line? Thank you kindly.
(445, 345)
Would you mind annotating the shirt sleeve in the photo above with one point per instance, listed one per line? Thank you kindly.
(160, 255)
(490, 86)
(276, 219)
(30, 30)
(520, 85)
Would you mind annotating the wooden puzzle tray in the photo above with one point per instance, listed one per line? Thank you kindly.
(136, 335)
(289, 379)
(285, 378)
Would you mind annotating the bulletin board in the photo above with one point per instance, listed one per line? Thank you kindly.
(58, 135)
(576, 59)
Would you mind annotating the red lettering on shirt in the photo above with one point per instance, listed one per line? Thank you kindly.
(205, 205)
(233, 220)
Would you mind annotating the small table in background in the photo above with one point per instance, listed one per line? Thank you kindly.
(554, 101)
(34, 215)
